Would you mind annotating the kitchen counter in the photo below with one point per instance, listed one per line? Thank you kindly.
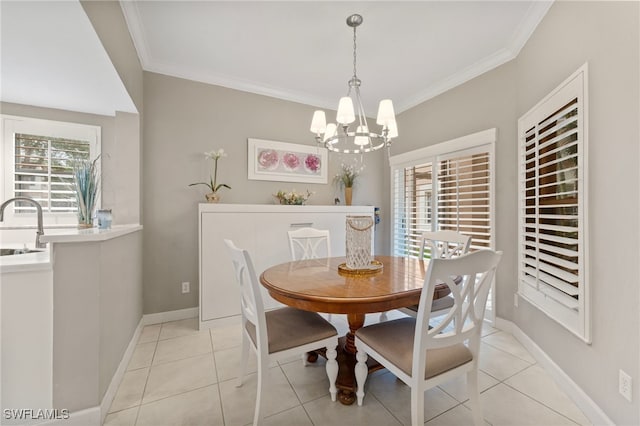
(86, 235)
(42, 260)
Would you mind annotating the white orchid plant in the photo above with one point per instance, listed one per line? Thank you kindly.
(214, 155)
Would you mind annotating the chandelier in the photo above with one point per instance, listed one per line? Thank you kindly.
(352, 134)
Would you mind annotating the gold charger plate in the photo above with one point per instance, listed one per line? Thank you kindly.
(374, 267)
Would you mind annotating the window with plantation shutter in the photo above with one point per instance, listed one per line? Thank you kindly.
(44, 171)
(464, 195)
(552, 211)
(447, 186)
(39, 156)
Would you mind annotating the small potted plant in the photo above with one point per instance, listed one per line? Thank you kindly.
(346, 179)
(213, 185)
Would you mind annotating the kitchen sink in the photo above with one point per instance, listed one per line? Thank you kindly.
(11, 251)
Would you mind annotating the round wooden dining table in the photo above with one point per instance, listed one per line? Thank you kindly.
(323, 285)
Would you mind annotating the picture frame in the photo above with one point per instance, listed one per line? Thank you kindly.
(286, 162)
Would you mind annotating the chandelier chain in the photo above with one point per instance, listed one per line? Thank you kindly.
(354, 52)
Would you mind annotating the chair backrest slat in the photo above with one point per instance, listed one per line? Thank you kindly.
(306, 243)
(444, 244)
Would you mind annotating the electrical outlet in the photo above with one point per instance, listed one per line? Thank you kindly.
(515, 300)
(624, 385)
(185, 287)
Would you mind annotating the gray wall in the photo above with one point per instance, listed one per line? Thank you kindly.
(485, 102)
(605, 34)
(97, 298)
(182, 120)
(108, 21)
(110, 26)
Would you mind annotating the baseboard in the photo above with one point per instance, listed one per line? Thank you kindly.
(119, 374)
(590, 409)
(161, 317)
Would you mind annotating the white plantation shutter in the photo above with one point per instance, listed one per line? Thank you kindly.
(552, 209)
(443, 187)
(448, 186)
(412, 207)
(44, 171)
(464, 197)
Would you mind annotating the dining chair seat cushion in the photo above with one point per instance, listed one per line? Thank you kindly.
(437, 305)
(290, 327)
(394, 341)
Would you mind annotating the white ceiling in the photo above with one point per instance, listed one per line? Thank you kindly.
(302, 51)
(51, 57)
(299, 51)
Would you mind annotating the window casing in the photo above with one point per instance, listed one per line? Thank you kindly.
(448, 186)
(38, 157)
(552, 206)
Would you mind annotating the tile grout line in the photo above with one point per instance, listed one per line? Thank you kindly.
(144, 390)
(540, 402)
(215, 368)
(507, 352)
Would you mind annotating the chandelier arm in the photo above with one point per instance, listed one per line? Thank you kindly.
(362, 116)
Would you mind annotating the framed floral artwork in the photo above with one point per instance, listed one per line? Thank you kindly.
(286, 162)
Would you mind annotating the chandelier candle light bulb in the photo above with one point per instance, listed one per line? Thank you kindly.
(342, 138)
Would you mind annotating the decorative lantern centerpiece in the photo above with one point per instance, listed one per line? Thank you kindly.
(358, 241)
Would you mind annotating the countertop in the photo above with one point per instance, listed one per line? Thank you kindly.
(42, 259)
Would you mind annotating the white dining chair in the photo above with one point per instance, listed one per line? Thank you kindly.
(423, 358)
(309, 243)
(277, 334)
(440, 245)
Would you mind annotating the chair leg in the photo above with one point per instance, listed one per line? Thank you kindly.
(332, 369)
(263, 373)
(474, 397)
(361, 372)
(383, 316)
(244, 359)
(417, 406)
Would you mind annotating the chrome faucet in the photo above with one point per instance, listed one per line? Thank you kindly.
(40, 231)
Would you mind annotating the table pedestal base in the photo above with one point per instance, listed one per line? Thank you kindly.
(346, 381)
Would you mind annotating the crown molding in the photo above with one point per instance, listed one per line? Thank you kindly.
(528, 25)
(136, 29)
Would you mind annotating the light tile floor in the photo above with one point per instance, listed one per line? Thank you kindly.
(181, 376)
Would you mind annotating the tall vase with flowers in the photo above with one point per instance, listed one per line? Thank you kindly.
(213, 185)
(345, 179)
(86, 185)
